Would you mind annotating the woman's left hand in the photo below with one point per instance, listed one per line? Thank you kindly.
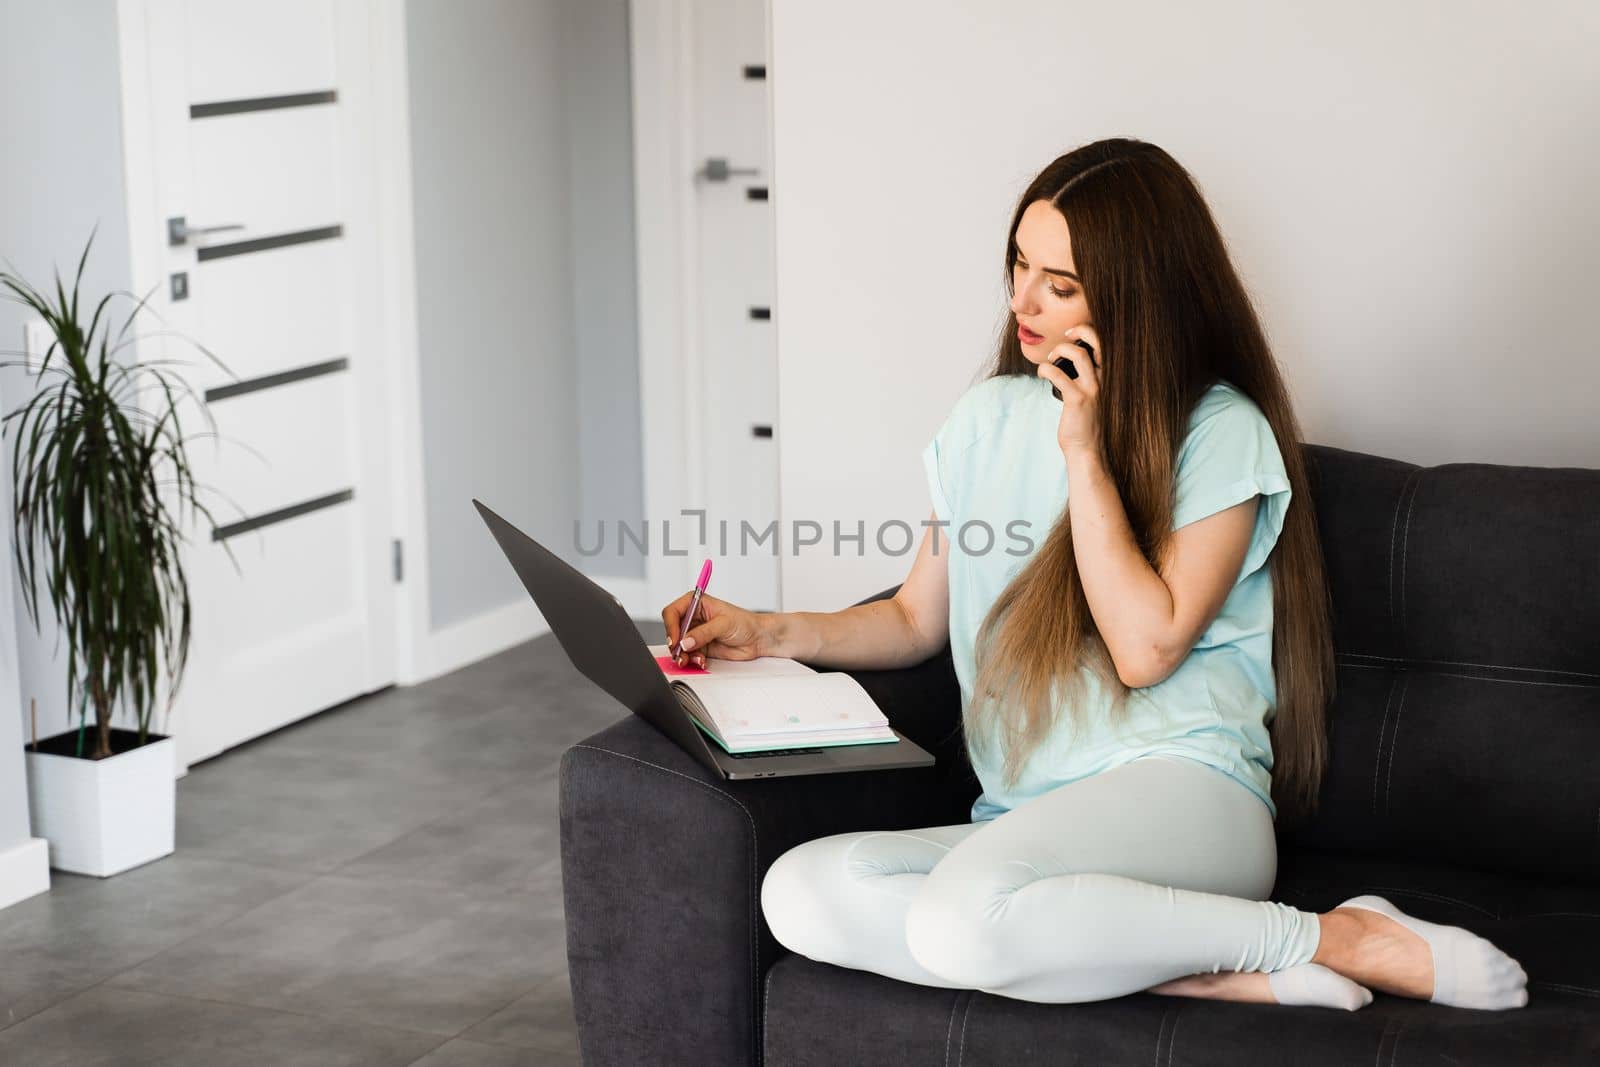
(1079, 428)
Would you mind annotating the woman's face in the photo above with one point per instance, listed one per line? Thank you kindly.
(1046, 297)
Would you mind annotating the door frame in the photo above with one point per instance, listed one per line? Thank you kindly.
(375, 80)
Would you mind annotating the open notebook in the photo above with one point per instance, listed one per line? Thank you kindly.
(774, 702)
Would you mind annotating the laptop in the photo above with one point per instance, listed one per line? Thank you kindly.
(602, 641)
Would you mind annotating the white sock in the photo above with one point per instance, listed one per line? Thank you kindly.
(1468, 970)
(1312, 983)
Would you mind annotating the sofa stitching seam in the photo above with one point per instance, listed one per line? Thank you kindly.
(961, 1052)
(1426, 895)
(1565, 988)
(1377, 763)
(1394, 742)
(755, 932)
(1342, 656)
(1405, 546)
(949, 1027)
(1392, 890)
(1161, 1033)
(1394, 529)
(1377, 1058)
(1470, 677)
(766, 999)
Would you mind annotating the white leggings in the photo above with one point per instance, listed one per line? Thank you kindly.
(1099, 888)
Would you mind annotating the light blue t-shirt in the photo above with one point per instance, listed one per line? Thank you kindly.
(997, 475)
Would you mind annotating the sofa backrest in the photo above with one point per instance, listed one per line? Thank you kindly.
(1466, 725)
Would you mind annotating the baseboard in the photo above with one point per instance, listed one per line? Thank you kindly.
(24, 871)
(459, 644)
(454, 646)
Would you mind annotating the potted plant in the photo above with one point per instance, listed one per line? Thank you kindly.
(86, 492)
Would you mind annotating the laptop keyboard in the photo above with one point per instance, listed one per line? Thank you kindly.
(773, 752)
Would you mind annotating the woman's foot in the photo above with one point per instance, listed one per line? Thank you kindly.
(1309, 983)
(1369, 940)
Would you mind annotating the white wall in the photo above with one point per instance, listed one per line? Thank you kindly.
(522, 193)
(1409, 190)
(60, 123)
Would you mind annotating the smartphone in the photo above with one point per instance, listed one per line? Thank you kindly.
(1066, 364)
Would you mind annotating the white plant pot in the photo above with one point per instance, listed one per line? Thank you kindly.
(102, 817)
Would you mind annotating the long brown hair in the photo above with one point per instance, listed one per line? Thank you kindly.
(1172, 317)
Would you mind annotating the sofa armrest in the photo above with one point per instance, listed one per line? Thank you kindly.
(662, 864)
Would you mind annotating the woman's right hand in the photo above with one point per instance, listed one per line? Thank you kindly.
(719, 629)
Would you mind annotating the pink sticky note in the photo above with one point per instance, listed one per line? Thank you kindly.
(670, 667)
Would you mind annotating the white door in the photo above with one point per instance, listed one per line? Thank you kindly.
(737, 353)
(254, 145)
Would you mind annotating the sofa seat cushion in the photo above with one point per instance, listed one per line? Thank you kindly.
(817, 1013)
(822, 1015)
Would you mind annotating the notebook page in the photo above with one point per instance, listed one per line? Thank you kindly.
(785, 705)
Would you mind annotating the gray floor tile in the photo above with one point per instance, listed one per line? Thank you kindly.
(510, 840)
(85, 929)
(471, 727)
(391, 954)
(380, 883)
(542, 1019)
(128, 1028)
(292, 811)
(464, 1053)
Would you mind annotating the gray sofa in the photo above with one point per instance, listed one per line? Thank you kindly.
(1464, 786)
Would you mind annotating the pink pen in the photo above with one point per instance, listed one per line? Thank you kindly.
(694, 605)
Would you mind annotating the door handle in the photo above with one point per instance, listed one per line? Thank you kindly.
(179, 231)
(716, 169)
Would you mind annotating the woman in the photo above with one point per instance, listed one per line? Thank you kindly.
(1127, 686)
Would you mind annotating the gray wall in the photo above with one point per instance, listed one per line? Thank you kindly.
(604, 277)
(60, 123)
(522, 179)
